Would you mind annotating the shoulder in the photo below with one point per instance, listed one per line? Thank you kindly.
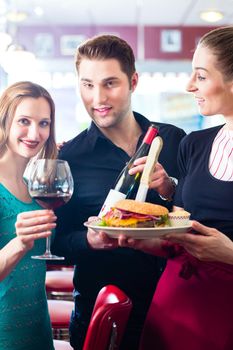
(73, 146)
(164, 127)
(203, 136)
(171, 133)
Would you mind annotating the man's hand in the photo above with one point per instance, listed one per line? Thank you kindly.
(160, 181)
(100, 240)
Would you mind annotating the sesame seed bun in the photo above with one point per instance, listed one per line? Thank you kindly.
(141, 207)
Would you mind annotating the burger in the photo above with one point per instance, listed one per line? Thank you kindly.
(131, 213)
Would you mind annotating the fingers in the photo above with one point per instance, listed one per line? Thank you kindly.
(35, 229)
(204, 230)
(107, 241)
(124, 241)
(140, 161)
(100, 240)
(32, 237)
(180, 238)
(34, 213)
(138, 166)
(60, 145)
(35, 222)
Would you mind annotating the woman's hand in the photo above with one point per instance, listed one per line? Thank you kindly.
(60, 145)
(34, 225)
(208, 244)
(160, 181)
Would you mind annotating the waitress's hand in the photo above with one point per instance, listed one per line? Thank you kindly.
(32, 225)
(207, 244)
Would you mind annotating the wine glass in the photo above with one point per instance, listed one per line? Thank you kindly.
(51, 184)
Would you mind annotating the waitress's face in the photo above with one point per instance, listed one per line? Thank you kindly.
(213, 94)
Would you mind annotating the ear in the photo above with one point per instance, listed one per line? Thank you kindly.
(134, 81)
(231, 86)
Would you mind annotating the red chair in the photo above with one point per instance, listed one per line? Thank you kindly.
(59, 284)
(62, 345)
(109, 319)
(60, 312)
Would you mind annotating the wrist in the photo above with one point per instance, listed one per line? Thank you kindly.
(173, 183)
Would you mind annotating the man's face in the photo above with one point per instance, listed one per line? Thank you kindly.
(105, 91)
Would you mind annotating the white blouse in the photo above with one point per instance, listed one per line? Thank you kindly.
(221, 157)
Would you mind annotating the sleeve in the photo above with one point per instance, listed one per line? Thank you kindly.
(182, 162)
(68, 241)
(172, 137)
(70, 238)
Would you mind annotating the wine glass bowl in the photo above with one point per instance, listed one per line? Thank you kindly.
(50, 183)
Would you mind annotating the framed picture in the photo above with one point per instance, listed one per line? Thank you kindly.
(171, 40)
(44, 45)
(69, 43)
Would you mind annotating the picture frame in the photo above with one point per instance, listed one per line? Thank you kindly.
(44, 45)
(171, 40)
(69, 43)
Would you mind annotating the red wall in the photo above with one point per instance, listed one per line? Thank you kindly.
(152, 42)
(189, 35)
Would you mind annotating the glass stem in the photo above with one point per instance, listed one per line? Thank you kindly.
(48, 241)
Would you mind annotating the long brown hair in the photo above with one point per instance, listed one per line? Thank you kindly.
(9, 101)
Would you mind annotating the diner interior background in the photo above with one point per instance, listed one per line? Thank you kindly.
(38, 39)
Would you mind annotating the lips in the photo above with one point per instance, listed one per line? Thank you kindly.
(199, 100)
(30, 144)
(102, 110)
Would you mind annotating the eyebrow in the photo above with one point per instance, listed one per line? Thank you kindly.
(105, 80)
(29, 117)
(196, 68)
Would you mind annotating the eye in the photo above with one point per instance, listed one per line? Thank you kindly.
(109, 84)
(45, 123)
(200, 77)
(23, 121)
(88, 85)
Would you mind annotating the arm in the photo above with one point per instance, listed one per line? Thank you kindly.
(208, 244)
(29, 227)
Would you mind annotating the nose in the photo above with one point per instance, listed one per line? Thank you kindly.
(99, 96)
(33, 132)
(191, 87)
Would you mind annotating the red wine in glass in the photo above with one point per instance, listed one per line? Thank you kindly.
(52, 201)
(50, 183)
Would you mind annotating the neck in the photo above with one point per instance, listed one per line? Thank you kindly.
(13, 166)
(229, 123)
(125, 135)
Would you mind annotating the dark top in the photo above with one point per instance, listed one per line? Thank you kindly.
(95, 164)
(208, 199)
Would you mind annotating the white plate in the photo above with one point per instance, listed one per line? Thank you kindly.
(137, 233)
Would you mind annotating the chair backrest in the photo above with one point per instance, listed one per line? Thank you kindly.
(109, 319)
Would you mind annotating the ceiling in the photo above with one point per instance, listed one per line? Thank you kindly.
(118, 12)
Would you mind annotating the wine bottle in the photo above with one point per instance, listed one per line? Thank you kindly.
(126, 185)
